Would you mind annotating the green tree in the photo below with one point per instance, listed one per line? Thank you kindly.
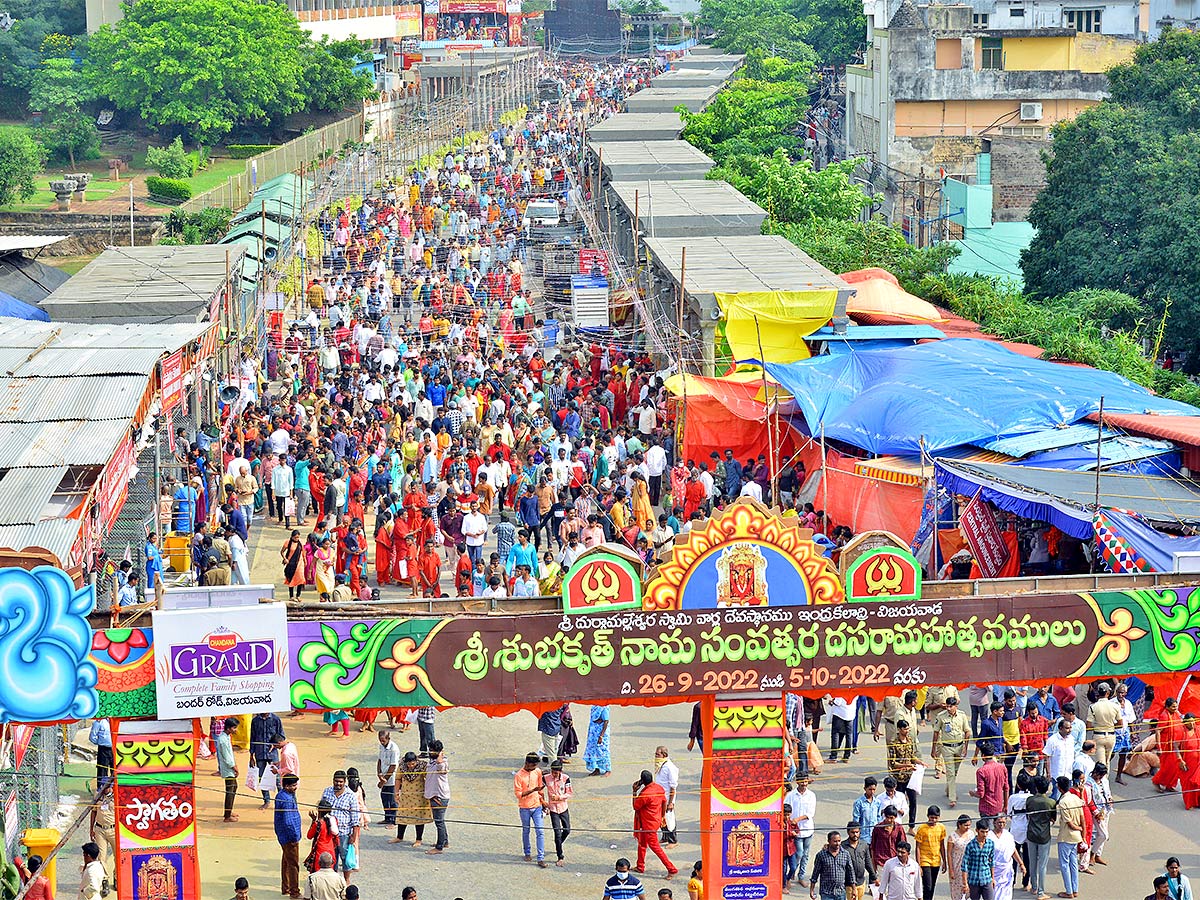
(1121, 206)
(835, 29)
(201, 66)
(329, 80)
(21, 159)
(60, 90)
(768, 25)
(795, 191)
(21, 48)
(748, 118)
(641, 7)
(170, 161)
(842, 245)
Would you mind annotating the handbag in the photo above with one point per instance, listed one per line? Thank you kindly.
(252, 779)
(289, 506)
(352, 856)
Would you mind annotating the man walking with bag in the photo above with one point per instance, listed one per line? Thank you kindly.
(288, 833)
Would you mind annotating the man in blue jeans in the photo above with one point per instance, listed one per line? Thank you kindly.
(833, 870)
(529, 786)
(437, 792)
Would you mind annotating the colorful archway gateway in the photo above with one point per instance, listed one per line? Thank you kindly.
(746, 610)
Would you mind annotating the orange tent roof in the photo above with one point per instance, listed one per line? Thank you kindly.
(877, 293)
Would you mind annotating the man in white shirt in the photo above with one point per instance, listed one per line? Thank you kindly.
(656, 465)
(706, 479)
(385, 771)
(91, 880)
(1059, 752)
(647, 418)
(280, 440)
(804, 814)
(753, 490)
(474, 529)
(901, 876)
(666, 773)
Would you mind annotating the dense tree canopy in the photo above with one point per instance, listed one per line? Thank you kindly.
(203, 66)
(60, 90)
(1121, 208)
(829, 30)
(795, 191)
(21, 158)
(21, 49)
(749, 117)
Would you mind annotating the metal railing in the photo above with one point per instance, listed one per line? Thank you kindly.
(305, 150)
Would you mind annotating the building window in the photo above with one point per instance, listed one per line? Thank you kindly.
(1016, 12)
(993, 53)
(979, 20)
(1085, 20)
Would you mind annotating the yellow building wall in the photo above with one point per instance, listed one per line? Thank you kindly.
(1037, 54)
(934, 118)
(1100, 52)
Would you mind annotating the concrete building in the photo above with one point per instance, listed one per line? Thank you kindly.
(666, 99)
(495, 80)
(677, 209)
(639, 160)
(937, 80)
(664, 126)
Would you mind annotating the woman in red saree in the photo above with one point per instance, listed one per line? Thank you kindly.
(1170, 733)
(694, 496)
(383, 549)
(1189, 755)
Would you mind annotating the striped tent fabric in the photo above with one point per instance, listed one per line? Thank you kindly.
(1118, 554)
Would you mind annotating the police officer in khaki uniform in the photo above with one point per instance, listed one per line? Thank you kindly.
(951, 732)
(935, 702)
(1104, 718)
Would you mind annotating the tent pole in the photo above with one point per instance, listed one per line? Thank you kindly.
(682, 371)
(1099, 436)
(824, 473)
(772, 500)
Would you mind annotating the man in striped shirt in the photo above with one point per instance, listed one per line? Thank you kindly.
(623, 885)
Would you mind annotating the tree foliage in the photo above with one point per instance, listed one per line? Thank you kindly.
(330, 82)
(60, 90)
(641, 7)
(201, 67)
(21, 49)
(205, 227)
(768, 25)
(1121, 207)
(795, 191)
(170, 161)
(844, 246)
(748, 118)
(21, 159)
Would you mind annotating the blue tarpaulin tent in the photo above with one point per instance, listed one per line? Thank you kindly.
(951, 393)
(13, 308)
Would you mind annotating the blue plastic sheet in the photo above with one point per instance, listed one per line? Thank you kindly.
(951, 393)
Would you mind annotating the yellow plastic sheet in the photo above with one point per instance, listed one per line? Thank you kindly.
(781, 319)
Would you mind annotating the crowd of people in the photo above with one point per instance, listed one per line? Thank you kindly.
(418, 431)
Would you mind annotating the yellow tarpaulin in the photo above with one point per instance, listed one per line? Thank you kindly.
(782, 318)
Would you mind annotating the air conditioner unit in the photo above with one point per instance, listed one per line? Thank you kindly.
(1031, 112)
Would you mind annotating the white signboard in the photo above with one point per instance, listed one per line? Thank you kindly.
(221, 661)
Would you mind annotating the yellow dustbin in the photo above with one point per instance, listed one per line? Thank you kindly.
(41, 841)
(178, 550)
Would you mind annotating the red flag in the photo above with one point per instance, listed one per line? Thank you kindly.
(988, 546)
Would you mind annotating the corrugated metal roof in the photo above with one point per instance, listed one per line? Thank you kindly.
(134, 284)
(1184, 429)
(164, 338)
(55, 535)
(66, 362)
(24, 444)
(25, 492)
(1050, 439)
(256, 228)
(99, 397)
